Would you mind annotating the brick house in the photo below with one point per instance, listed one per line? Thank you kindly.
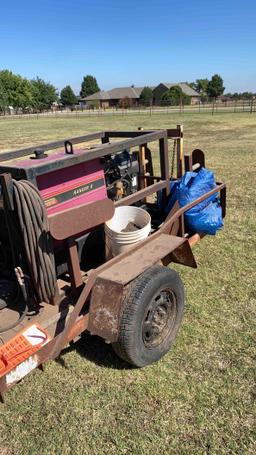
(129, 96)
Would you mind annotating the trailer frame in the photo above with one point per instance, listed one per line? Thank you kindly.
(96, 297)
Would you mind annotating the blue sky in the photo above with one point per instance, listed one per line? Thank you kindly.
(130, 42)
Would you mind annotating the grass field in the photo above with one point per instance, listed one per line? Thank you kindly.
(199, 398)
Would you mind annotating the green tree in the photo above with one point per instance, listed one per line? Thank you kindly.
(23, 95)
(201, 86)
(215, 87)
(146, 96)
(89, 86)
(192, 85)
(67, 96)
(246, 95)
(44, 94)
(18, 90)
(175, 96)
(236, 96)
(3, 98)
(7, 80)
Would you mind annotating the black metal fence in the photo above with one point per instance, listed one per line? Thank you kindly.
(238, 106)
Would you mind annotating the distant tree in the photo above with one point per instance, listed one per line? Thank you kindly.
(186, 99)
(246, 95)
(175, 96)
(18, 90)
(240, 96)
(89, 86)
(146, 96)
(236, 96)
(23, 97)
(172, 96)
(201, 86)
(215, 87)
(44, 94)
(192, 85)
(20, 93)
(67, 96)
(3, 98)
(8, 84)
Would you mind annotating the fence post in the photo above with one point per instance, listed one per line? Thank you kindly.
(251, 106)
(180, 151)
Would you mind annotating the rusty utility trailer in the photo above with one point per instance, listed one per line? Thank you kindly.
(55, 280)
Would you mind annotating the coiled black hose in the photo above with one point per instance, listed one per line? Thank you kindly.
(37, 243)
(23, 314)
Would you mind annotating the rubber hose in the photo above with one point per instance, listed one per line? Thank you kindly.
(14, 324)
(37, 242)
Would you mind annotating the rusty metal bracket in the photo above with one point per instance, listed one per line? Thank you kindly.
(181, 255)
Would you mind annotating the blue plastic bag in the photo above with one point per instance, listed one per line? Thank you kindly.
(205, 217)
(193, 185)
(205, 221)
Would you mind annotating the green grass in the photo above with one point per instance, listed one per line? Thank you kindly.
(199, 398)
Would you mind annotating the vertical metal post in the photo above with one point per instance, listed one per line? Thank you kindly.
(180, 152)
(164, 163)
(142, 163)
(251, 106)
(105, 139)
(74, 265)
(142, 166)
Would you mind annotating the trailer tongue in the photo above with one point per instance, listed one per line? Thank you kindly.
(56, 280)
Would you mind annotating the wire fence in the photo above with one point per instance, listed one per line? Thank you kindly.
(239, 106)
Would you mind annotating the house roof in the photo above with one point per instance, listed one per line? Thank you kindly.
(125, 92)
(184, 87)
(116, 94)
(134, 92)
(97, 96)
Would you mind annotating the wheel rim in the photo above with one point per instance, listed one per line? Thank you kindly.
(160, 318)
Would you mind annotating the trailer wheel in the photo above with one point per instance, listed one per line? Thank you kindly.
(152, 314)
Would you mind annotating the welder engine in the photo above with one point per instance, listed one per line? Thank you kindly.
(121, 174)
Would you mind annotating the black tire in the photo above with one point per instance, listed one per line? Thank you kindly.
(152, 314)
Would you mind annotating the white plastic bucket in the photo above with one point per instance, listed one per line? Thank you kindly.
(118, 241)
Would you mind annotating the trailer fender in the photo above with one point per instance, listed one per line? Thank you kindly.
(111, 285)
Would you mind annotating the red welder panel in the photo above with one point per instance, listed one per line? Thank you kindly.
(71, 186)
